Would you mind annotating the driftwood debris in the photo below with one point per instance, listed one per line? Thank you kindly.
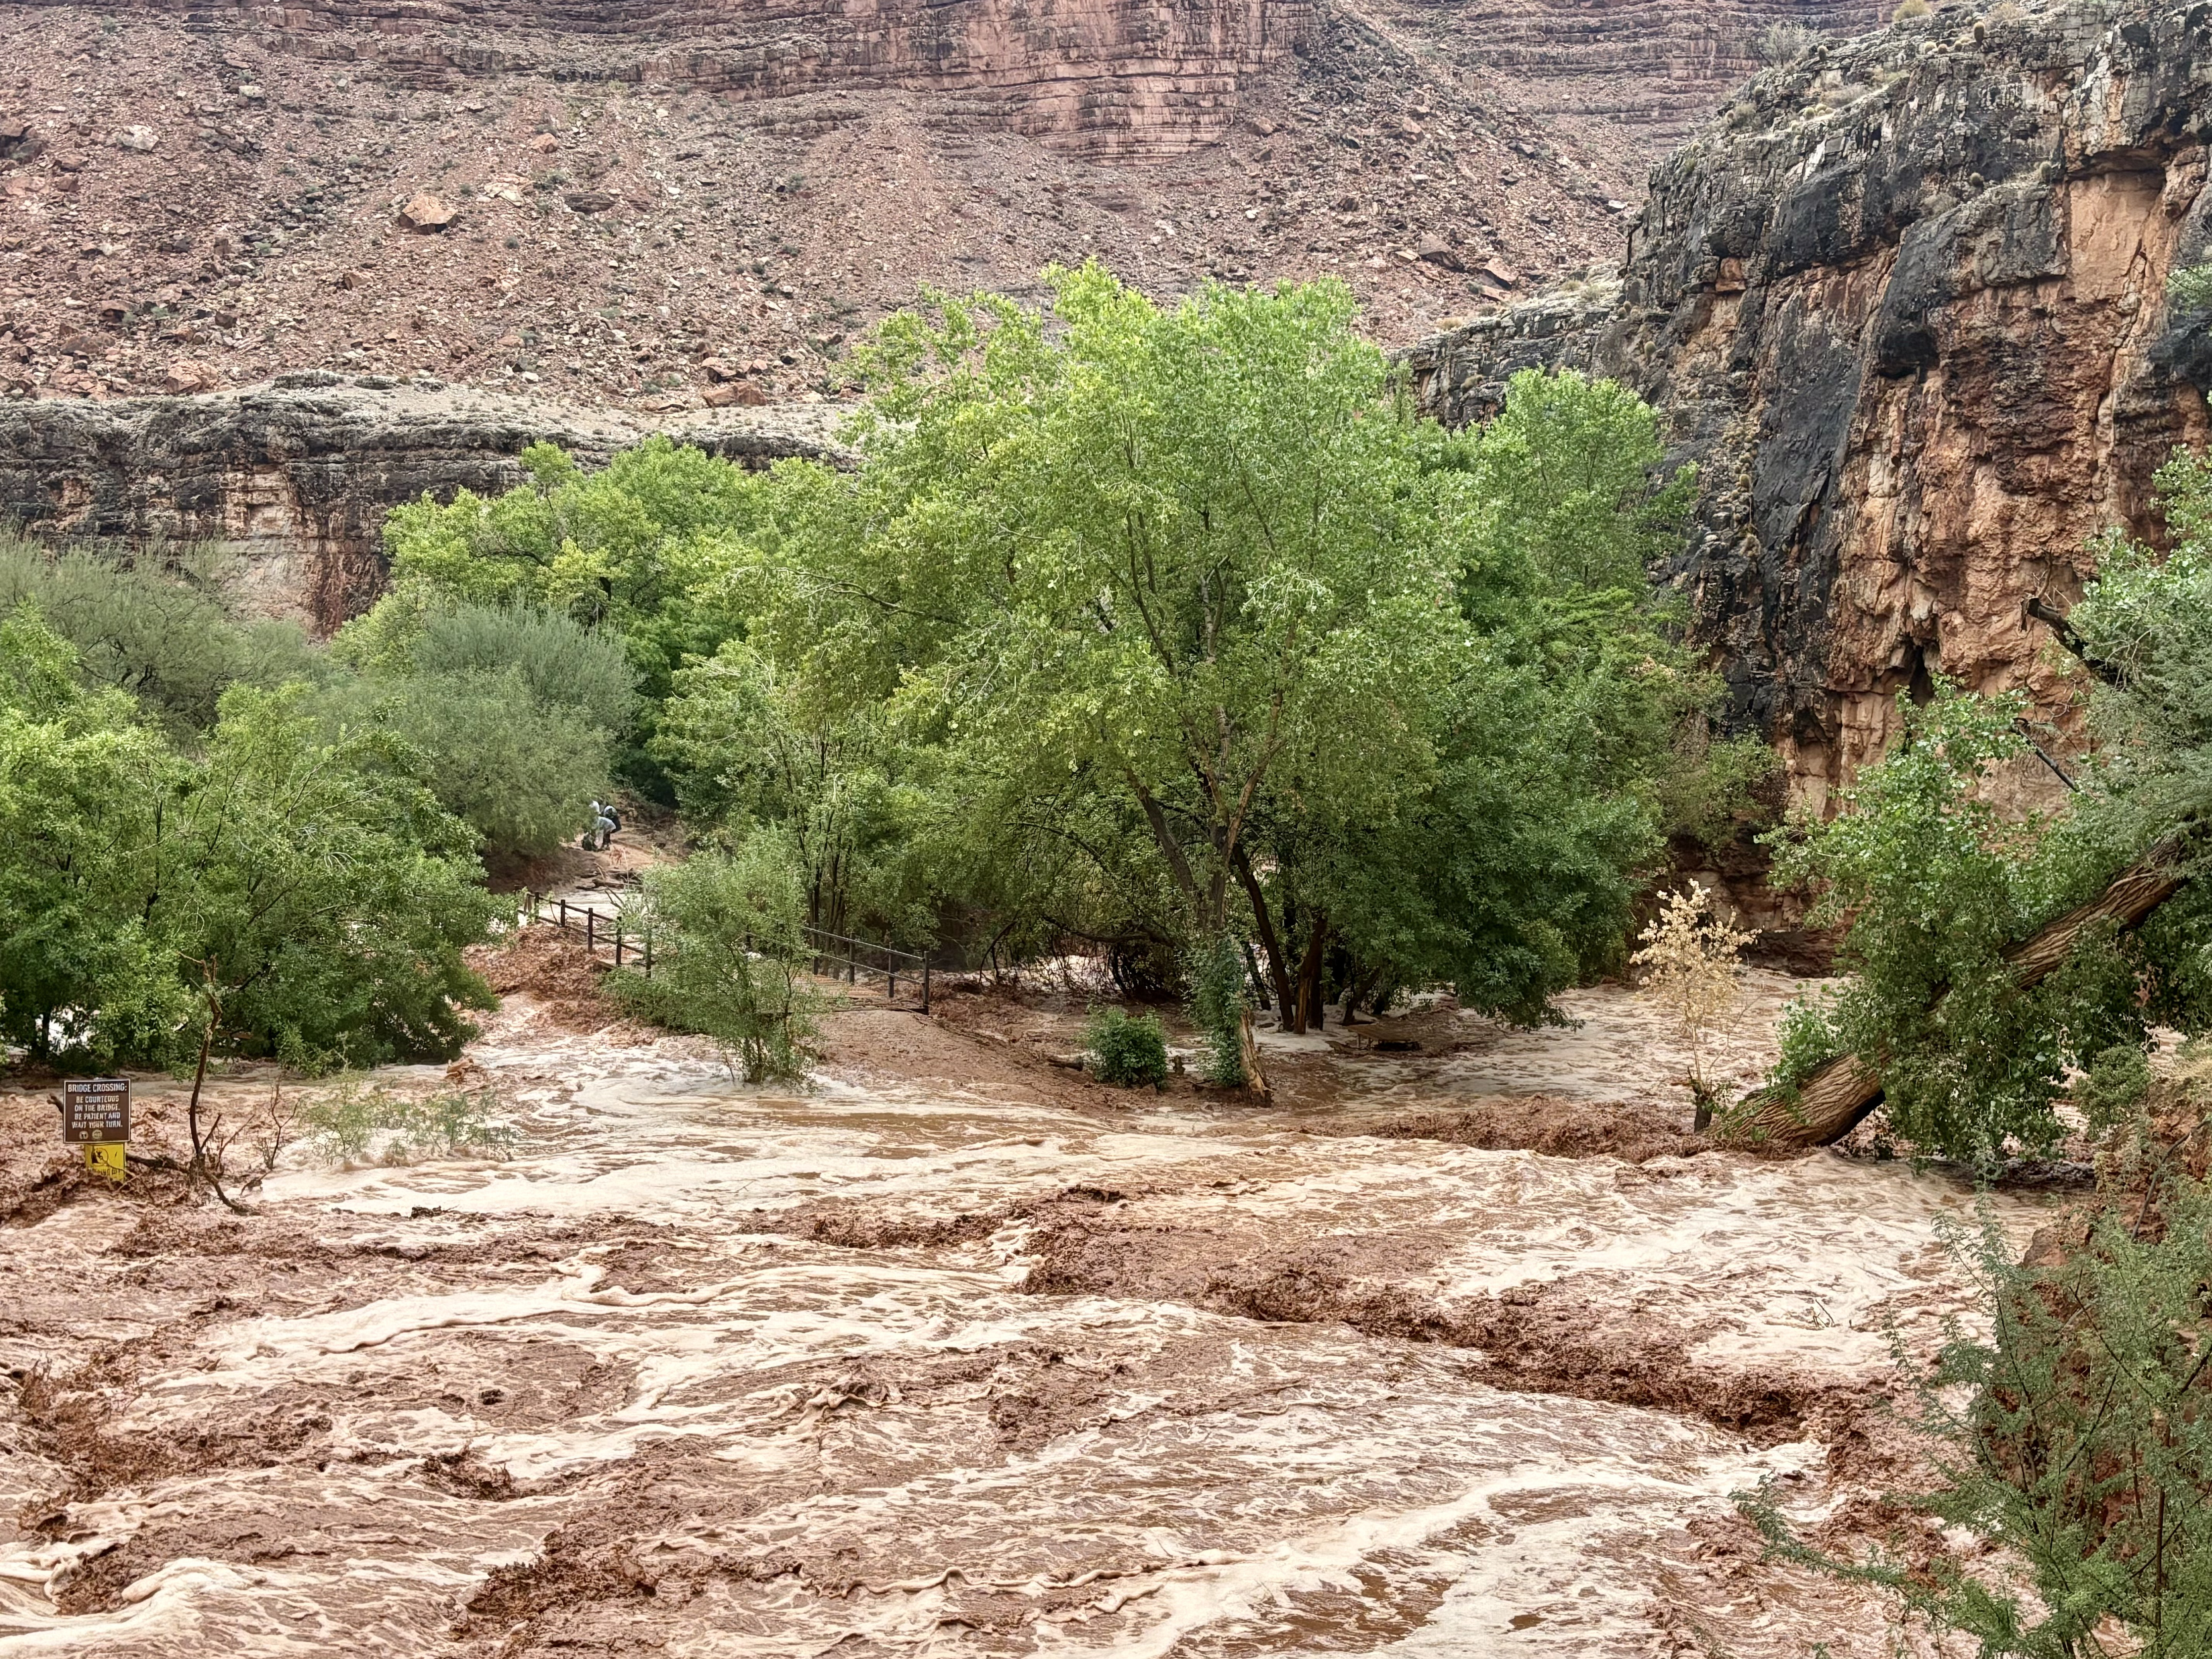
(1833, 1100)
(1248, 1048)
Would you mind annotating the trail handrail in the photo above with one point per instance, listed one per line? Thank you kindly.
(864, 944)
(891, 954)
(566, 916)
(570, 917)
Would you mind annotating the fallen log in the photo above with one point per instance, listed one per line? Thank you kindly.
(1248, 1049)
(1833, 1101)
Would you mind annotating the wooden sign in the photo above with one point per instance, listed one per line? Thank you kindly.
(96, 1115)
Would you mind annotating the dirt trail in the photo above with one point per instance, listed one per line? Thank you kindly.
(958, 1353)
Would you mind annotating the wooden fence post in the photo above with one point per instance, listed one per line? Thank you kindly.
(591, 928)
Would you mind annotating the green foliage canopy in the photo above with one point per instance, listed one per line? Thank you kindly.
(1939, 884)
(633, 547)
(294, 896)
(1154, 624)
(507, 715)
(160, 631)
(1196, 565)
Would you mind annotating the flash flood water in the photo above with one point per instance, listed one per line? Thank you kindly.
(947, 1355)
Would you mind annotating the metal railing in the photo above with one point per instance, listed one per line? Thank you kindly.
(594, 926)
(831, 951)
(856, 956)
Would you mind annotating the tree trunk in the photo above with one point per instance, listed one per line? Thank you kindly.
(1309, 1007)
(1837, 1097)
(198, 1169)
(204, 1164)
(1358, 985)
(1259, 980)
(1171, 849)
(1247, 1050)
(1278, 968)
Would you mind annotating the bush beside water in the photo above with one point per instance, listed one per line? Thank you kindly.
(1128, 1052)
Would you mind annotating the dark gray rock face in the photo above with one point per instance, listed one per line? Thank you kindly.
(296, 476)
(1903, 302)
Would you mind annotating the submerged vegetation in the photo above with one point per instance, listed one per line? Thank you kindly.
(2076, 1437)
(1988, 992)
(732, 958)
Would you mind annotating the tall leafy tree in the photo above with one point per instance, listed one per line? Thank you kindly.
(633, 547)
(1155, 624)
(1342, 679)
(1161, 550)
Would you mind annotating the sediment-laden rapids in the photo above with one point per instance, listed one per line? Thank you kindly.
(954, 1353)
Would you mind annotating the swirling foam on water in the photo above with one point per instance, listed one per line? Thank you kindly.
(1226, 1486)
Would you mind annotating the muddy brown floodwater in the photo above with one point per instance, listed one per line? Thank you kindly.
(952, 1354)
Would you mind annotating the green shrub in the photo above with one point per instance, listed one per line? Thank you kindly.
(1128, 1052)
(563, 664)
(2111, 1087)
(157, 628)
(729, 958)
(1217, 1008)
(2190, 288)
(354, 1122)
(269, 892)
(1937, 885)
(2076, 1444)
(512, 711)
(521, 773)
(1785, 41)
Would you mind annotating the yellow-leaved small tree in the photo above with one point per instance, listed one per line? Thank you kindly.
(1692, 963)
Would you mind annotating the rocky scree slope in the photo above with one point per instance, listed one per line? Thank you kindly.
(1903, 302)
(702, 203)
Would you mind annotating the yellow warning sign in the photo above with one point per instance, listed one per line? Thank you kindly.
(104, 1157)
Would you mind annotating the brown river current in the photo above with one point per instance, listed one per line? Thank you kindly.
(925, 1360)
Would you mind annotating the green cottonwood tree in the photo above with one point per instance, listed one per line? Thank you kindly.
(633, 547)
(1159, 550)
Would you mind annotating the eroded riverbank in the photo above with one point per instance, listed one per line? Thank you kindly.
(954, 1353)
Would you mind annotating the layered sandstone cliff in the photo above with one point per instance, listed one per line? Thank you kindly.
(1655, 70)
(294, 477)
(1126, 78)
(1903, 302)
